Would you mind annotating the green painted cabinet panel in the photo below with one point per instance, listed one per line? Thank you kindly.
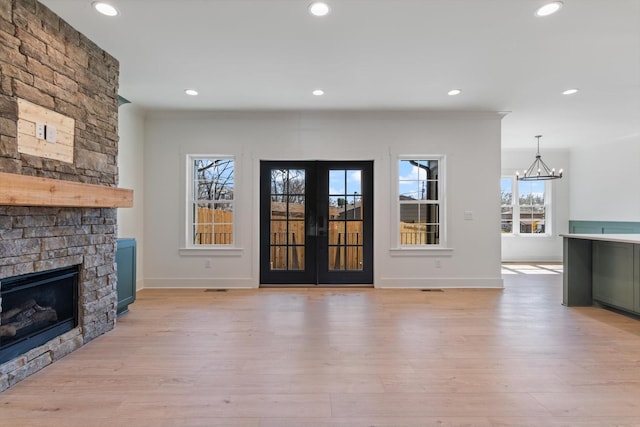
(577, 277)
(614, 274)
(636, 277)
(603, 227)
(126, 262)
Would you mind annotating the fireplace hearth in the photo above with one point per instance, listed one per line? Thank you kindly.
(36, 308)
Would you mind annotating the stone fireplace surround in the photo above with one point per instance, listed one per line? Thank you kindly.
(46, 62)
(61, 237)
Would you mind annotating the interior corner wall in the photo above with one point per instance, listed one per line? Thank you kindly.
(540, 248)
(605, 182)
(131, 173)
(470, 142)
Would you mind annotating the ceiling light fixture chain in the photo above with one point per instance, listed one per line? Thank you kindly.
(539, 171)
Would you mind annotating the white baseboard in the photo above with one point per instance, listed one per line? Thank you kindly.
(439, 283)
(210, 283)
(382, 283)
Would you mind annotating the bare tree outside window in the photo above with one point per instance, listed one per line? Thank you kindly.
(288, 185)
(212, 201)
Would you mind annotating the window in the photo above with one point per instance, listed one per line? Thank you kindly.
(528, 213)
(420, 200)
(211, 201)
(506, 205)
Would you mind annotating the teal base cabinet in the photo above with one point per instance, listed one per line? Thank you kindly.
(602, 269)
(577, 278)
(126, 286)
(614, 274)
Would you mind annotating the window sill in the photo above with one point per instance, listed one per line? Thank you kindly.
(211, 251)
(421, 252)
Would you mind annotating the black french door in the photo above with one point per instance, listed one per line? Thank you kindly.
(316, 222)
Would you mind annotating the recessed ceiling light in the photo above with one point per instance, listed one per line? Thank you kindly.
(105, 8)
(319, 8)
(191, 92)
(570, 91)
(454, 92)
(318, 92)
(549, 8)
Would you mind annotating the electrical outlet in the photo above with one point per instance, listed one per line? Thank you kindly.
(468, 215)
(438, 263)
(207, 264)
(40, 130)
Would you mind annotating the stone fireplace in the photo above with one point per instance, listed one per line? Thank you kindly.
(47, 63)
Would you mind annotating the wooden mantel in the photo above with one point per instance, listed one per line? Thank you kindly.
(23, 190)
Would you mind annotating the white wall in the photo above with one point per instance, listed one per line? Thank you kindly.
(536, 248)
(131, 175)
(471, 142)
(605, 181)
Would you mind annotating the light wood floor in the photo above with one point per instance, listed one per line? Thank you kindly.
(347, 357)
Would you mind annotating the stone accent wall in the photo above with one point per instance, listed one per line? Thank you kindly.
(45, 61)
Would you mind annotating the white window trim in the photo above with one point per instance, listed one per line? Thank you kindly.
(548, 206)
(420, 250)
(197, 250)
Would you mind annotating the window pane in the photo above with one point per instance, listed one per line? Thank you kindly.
(336, 257)
(296, 257)
(354, 182)
(506, 219)
(222, 234)
(354, 258)
(295, 208)
(337, 182)
(354, 233)
(419, 224)
(214, 179)
(295, 183)
(532, 219)
(506, 191)
(418, 179)
(337, 230)
(296, 233)
(531, 192)
(409, 190)
(278, 257)
(354, 208)
(413, 234)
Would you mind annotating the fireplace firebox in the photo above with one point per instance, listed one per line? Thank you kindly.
(36, 308)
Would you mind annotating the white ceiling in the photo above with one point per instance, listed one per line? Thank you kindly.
(384, 54)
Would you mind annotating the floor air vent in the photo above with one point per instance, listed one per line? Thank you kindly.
(215, 290)
(431, 290)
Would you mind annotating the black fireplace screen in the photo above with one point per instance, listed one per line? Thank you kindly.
(36, 308)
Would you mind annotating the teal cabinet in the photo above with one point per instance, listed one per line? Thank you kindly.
(602, 268)
(636, 278)
(613, 274)
(577, 278)
(126, 263)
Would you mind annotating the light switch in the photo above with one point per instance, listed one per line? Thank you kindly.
(40, 130)
(468, 215)
(50, 133)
